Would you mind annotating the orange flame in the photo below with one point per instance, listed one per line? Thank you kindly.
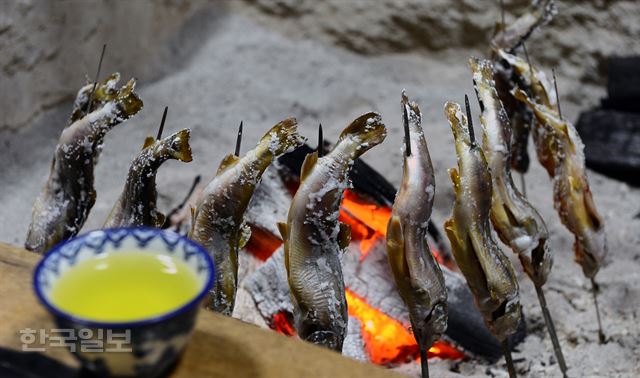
(388, 341)
(368, 222)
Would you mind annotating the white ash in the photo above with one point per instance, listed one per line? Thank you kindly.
(315, 82)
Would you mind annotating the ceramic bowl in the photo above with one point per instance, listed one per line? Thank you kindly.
(143, 348)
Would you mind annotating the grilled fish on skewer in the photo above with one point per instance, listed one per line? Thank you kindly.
(487, 270)
(136, 206)
(64, 203)
(517, 223)
(314, 238)
(416, 273)
(572, 196)
(507, 39)
(218, 221)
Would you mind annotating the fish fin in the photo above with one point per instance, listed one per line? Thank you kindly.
(160, 218)
(245, 235)
(521, 96)
(452, 235)
(367, 131)
(395, 247)
(455, 178)
(129, 104)
(308, 164)
(148, 141)
(284, 232)
(179, 145)
(592, 211)
(344, 235)
(283, 137)
(193, 215)
(228, 161)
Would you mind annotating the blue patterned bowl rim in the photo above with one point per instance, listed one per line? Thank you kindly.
(147, 321)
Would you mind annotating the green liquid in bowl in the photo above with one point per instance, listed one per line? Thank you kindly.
(125, 286)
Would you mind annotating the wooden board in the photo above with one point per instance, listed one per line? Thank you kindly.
(220, 346)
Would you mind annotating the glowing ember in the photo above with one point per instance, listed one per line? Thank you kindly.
(368, 220)
(262, 243)
(387, 341)
(282, 324)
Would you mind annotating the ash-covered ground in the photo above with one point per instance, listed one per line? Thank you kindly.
(246, 70)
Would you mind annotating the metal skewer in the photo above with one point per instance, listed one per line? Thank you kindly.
(555, 85)
(238, 140)
(502, 12)
(472, 135)
(506, 350)
(164, 118)
(320, 142)
(424, 363)
(594, 290)
(594, 285)
(552, 331)
(95, 82)
(167, 220)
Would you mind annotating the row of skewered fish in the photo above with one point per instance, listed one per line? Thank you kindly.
(513, 97)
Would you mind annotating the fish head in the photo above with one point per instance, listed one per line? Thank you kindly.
(506, 318)
(327, 339)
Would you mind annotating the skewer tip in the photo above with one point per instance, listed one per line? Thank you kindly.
(405, 121)
(555, 86)
(472, 135)
(164, 118)
(95, 82)
(239, 139)
(320, 142)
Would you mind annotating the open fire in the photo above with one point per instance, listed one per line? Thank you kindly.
(387, 341)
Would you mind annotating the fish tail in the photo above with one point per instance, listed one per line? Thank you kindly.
(178, 145)
(366, 131)
(283, 137)
(128, 101)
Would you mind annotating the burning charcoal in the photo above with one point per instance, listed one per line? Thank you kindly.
(371, 279)
(612, 143)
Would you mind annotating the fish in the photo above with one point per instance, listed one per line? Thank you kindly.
(539, 88)
(136, 205)
(64, 203)
(314, 238)
(218, 222)
(509, 37)
(486, 268)
(506, 39)
(418, 277)
(516, 221)
(572, 196)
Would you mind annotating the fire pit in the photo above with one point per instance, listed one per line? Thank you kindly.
(379, 328)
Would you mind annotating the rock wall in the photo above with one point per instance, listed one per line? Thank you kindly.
(577, 42)
(48, 47)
